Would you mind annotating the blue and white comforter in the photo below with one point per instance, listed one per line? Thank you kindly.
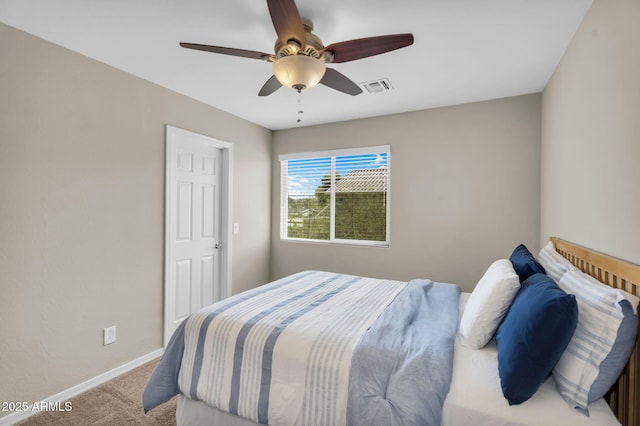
(318, 348)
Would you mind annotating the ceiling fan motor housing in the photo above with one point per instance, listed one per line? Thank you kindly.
(312, 47)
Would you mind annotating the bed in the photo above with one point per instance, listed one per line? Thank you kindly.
(274, 371)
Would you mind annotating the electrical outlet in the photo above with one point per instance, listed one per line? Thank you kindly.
(109, 335)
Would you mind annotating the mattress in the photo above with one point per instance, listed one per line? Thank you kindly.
(475, 398)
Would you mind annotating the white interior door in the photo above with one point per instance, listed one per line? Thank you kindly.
(196, 239)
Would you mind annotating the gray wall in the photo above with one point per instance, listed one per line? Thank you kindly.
(81, 207)
(591, 135)
(465, 190)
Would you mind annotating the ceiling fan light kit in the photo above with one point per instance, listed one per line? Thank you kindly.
(299, 71)
(300, 57)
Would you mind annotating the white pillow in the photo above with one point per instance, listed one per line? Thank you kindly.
(553, 263)
(488, 304)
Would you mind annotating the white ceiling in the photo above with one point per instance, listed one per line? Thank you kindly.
(464, 50)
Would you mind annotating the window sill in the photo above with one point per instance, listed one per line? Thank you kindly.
(373, 244)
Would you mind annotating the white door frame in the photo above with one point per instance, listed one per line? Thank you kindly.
(226, 216)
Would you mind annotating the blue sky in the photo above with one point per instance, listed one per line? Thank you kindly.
(305, 175)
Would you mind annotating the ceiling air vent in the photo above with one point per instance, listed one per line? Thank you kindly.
(377, 86)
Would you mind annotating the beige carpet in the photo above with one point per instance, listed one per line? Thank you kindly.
(116, 402)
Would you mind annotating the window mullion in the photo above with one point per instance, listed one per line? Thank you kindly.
(388, 201)
(332, 203)
(284, 200)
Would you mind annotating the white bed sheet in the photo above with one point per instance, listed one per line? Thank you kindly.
(474, 399)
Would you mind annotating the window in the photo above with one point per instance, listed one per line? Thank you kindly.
(339, 196)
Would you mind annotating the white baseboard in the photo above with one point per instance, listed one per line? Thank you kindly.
(67, 394)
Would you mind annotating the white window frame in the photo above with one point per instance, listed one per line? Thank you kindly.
(284, 195)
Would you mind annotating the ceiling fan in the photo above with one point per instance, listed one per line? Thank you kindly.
(300, 57)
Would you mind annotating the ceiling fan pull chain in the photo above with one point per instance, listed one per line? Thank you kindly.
(300, 111)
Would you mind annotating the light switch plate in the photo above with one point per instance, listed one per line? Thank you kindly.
(109, 335)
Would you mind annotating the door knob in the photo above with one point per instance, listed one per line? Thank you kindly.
(218, 245)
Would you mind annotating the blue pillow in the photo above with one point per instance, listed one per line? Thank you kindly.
(524, 263)
(533, 336)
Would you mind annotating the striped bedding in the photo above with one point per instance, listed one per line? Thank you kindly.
(281, 354)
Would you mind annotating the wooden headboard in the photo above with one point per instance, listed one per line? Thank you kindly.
(623, 397)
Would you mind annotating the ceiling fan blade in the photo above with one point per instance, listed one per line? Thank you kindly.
(351, 50)
(270, 86)
(340, 82)
(287, 22)
(228, 51)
